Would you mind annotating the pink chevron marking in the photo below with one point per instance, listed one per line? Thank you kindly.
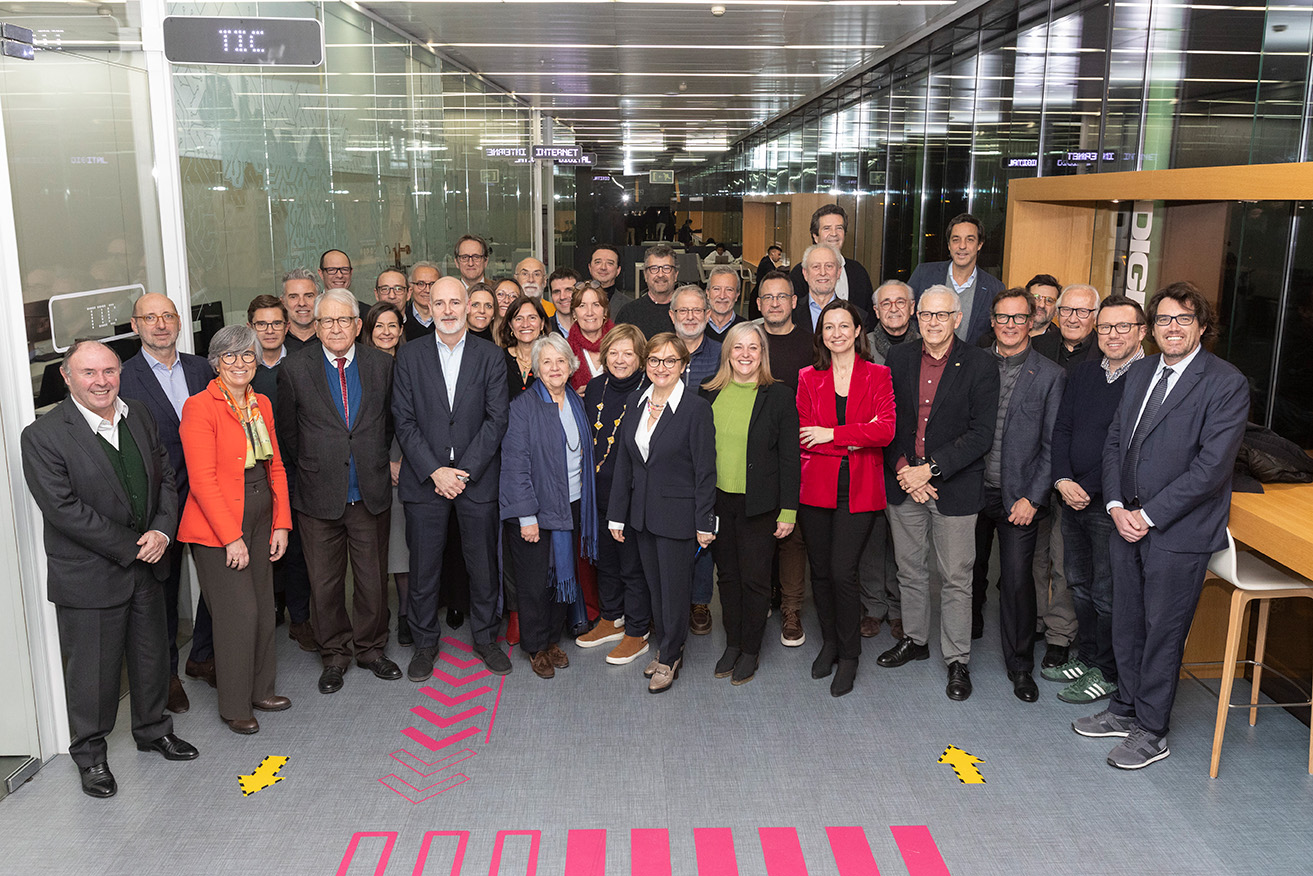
(438, 744)
(649, 852)
(782, 851)
(585, 853)
(428, 841)
(919, 851)
(460, 682)
(714, 847)
(433, 693)
(495, 703)
(457, 662)
(443, 785)
(382, 866)
(434, 718)
(534, 835)
(437, 766)
(459, 645)
(852, 853)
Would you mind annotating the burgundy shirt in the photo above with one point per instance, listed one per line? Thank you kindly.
(932, 370)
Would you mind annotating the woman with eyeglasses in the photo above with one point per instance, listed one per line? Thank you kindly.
(845, 419)
(525, 322)
(664, 491)
(237, 518)
(506, 290)
(592, 320)
(481, 312)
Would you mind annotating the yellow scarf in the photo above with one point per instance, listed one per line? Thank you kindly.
(258, 444)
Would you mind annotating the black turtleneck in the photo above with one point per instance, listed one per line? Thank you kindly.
(611, 393)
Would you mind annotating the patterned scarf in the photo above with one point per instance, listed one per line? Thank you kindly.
(258, 444)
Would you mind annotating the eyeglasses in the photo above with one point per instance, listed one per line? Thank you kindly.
(263, 326)
(336, 271)
(152, 318)
(231, 358)
(935, 315)
(779, 297)
(423, 285)
(339, 321)
(1106, 328)
(894, 304)
(470, 259)
(394, 289)
(1046, 300)
(1011, 318)
(1082, 312)
(1182, 319)
(689, 311)
(585, 285)
(660, 269)
(668, 362)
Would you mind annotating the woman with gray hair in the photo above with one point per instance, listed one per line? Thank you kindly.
(548, 500)
(237, 518)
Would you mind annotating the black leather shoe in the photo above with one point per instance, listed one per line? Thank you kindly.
(383, 668)
(98, 781)
(421, 664)
(493, 657)
(171, 747)
(823, 665)
(404, 636)
(959, 681)
(1023, 685)
(725, 665)
(844, 677)
(330, 680)
(904, 652)
(455, 618)
(1055, 655)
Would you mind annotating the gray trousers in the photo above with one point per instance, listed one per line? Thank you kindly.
(955, 554)
(1055, 610)
(878, 574)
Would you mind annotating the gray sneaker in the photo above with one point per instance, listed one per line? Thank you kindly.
(1103, 724)
(1089, 688)
(1138, 750)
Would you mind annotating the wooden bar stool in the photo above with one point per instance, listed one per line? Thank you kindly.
(1254, 578)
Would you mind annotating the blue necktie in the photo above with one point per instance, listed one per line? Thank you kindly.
(1130, 468)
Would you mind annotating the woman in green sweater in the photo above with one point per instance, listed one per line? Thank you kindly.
(756, 489)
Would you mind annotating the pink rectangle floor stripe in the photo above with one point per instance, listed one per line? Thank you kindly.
(531, 868)
(428, 841)
(649, 852)
(350, 853)
(457, 662)
(437, 720)
(441, 697)
(585, 853)
(438, 744)
(852, 853)
(458, 644)
(919, 851)
(782, 851)
(715, 851)
(460, 682)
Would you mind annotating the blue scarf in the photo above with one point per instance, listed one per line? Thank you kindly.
(563, 575)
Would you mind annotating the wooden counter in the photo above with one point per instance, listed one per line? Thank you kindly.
(1277, 523)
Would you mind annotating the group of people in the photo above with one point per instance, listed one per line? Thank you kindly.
(548, 458)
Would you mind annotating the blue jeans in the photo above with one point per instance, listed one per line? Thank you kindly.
(1087, 562)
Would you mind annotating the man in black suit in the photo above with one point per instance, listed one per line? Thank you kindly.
(830, 226)
(821, 268)
(947, 394)
(451, 411)
(974, 287)
(334, 420)
(419, 316)
(103, 482)
(162, 379)
(1167, 468)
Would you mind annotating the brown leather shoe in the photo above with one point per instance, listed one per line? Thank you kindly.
(896, 629)
(557, 656)
(870, 627)
(244, 726)
(272, 704)
(542, 665)
(203, 669)
(699, 619)
(178, 701)
(303, 635)
(791, 634)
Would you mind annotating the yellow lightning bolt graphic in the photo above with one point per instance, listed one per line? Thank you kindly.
(964, 764)
(265, 774)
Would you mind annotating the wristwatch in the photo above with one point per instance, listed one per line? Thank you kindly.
(934, 468)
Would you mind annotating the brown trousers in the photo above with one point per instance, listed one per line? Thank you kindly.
(363, 538)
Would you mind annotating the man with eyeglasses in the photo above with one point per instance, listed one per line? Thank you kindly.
(829, 226)
(391, 286)
(893, 319)
(334, 421)
(965, 236)
(1093, 393)
(1074, 342)
(1017, 483)
(1167, 467)
(531, 274)
(300, 289)
(163, 379)
(723, 293)
(335, 269)
(651, 312)
(947, 407)
(604, 267)
(821, 268)
(1045, 289)
(419, 316)
(471, 256)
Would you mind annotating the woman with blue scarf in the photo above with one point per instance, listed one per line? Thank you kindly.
(548, 500)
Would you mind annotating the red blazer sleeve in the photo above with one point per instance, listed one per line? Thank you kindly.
(277, 474)
(871, 408)
(816, 408)
(213, 516)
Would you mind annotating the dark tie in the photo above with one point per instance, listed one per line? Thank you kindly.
(346, 405)
(1130, 468)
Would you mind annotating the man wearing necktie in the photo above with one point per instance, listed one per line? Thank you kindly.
(1167, 481)
(335, 425)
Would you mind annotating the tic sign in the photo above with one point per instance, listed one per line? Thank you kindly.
(278, 42)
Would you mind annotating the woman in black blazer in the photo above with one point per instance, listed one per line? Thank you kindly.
(664, 489)
(757, 475)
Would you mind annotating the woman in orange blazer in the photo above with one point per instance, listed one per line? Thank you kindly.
(236, 519)
(845, 418)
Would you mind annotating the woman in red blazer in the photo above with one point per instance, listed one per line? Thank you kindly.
(237, 519)
(845, 418)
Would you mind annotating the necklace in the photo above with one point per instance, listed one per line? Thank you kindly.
(615, 427)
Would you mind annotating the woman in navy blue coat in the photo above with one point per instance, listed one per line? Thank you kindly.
(548, 500)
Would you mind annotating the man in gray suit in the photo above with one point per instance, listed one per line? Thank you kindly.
(335, 423)
(1017, 481)
(103, 482)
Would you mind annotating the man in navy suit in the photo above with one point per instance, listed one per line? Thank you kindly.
(451, 409)
(960, 273)
(1167, 483)
(852, 283)
(162, 379)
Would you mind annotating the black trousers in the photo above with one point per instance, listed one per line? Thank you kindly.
(541, 616)
(94, 642)
(1016, 553)
(668, 567)
(743, 550)
(621, 587)
(292, 579)
(426, 533)
(835, 540)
